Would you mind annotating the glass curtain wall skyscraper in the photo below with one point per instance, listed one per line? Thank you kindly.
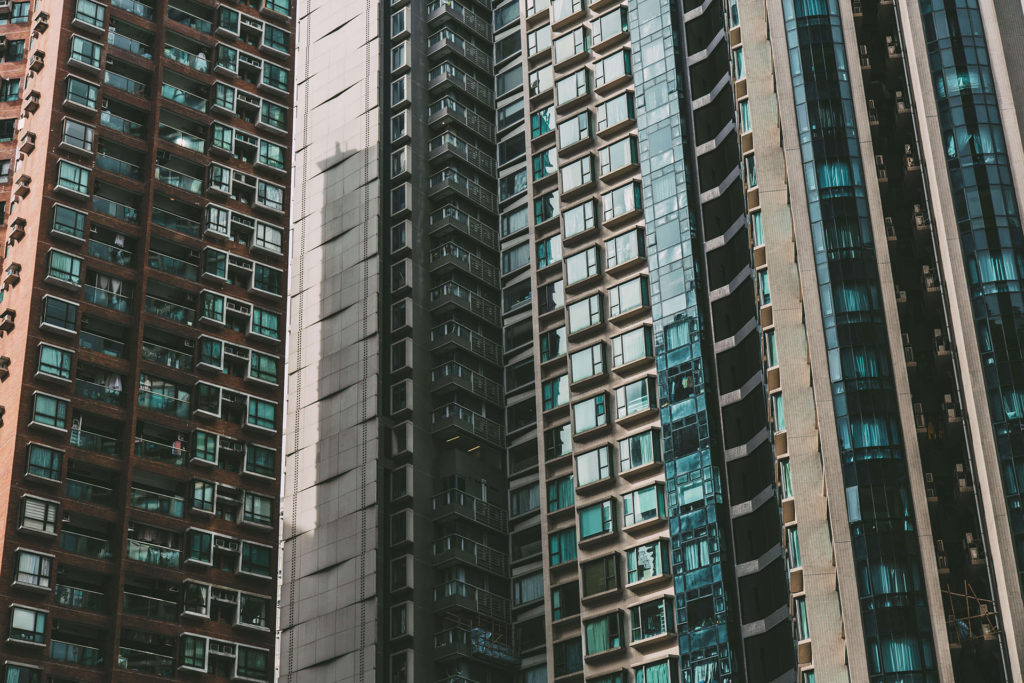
(650, 341)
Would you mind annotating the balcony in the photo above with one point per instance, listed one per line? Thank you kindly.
(121, 124)
(190, 20)
(82, 544)
(154, 554)
(118, 166)
(452, 335)
(89, 492)
(177, 223)
(173, 266)
(139, 9)
(461, 596)
(183, 97)
(449, 145)
(447, 76)
(460, 504)
(456, 549)
(451, 254)
(178, 179)
(453, 373)
(451, 294)
(98, 443)
(146, 606)
(163, 403)
(145, 662)
(162, 355)
(170, 310)
(452, 219)
(73, 653)
(125, 84)
(448, 109)
(161, 503)
(169, 453)
(131, 45)
(79, 598)
(181, 138)
(440, 11)
(107, 299)
(193, 60)
(114, 209)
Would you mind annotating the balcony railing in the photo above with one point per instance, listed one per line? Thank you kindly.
(181, 138)
(109, 252)
(150, 553)
(121, 124)
(179, 179)
(190, 100)
(145, 662)
(155, 353)
(107, 299)
(190, 20)
(196, 61)
(169, 405)
(72, 653)
(118, 210)
(89, 546)
(170, 310)
(128, 85)
(136, 8)
(79, 598)
(186, 226)
(98, 392)
(147, 606)
(97, 443)
(162, 452)
(97, 342)
(118, 166)
(174, 266)
(130, 44)
(89, 492)
(152, 501)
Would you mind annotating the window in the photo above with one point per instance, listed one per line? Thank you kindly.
(589, 414)
(269, 238)
(258, 509)
(398, 126)
(634, 397)
(27, 625)
(593, 466)
(566, 8)
(565, 601)
(572, 86)
(32, 569)
(251, 662)
(203, 493)
(398, 56)
(80, 92)
(54, 361)
(600, 575)
(510, 114)
(253, 610)
(744, 116)
(609, 25)
(803, 630)
(621, 200)
(528, 588)
(90, 12)
(508, 80)
(503, 16)
(751, 171)
(17, 673)
(541, 80)
(582, 265)
(771, 354)
(541, 122)
(578, 219)
(646, 562)
(612, 68)
(398, 23)
(560, 494)
(9, 89)
(507, 47)
(15, 51)
(511, 185)
(38, 515)
(255, 559)
(49, 411)
(535, 6)
(643, 505)
(572, 44)
(282, 7)
(544, 163)
(756, 228)
(557, 442)
(568, 654)
(73, 177)
(786, 481)
(78, 135)
(6, 130)
(86, 52)
(552, 344)
(549, 251)
(574, 130)
(545, 208)
(585, 313)
(68, 221)
(793, 541)
(523, 500)
(587, 362)
(556, 392)
(562, 546)
(618, 155)
(193, 652)
(272, 155)
(764, 287)
(64, 267)
(59, 313)
(739, 71)
(597, 519)
(778, 414)
(638, 450)
(538, 41)
(628, 296)
(659, 672)
(651, 619)
(631, 346)
(603, 634)
(261, 413)
(514, 221)
(624, 248)
(614, 111)
(266, 323)
(577, 173)
(263, 367)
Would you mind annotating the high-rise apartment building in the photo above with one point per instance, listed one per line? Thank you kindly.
(146, 163)
(639, 341)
